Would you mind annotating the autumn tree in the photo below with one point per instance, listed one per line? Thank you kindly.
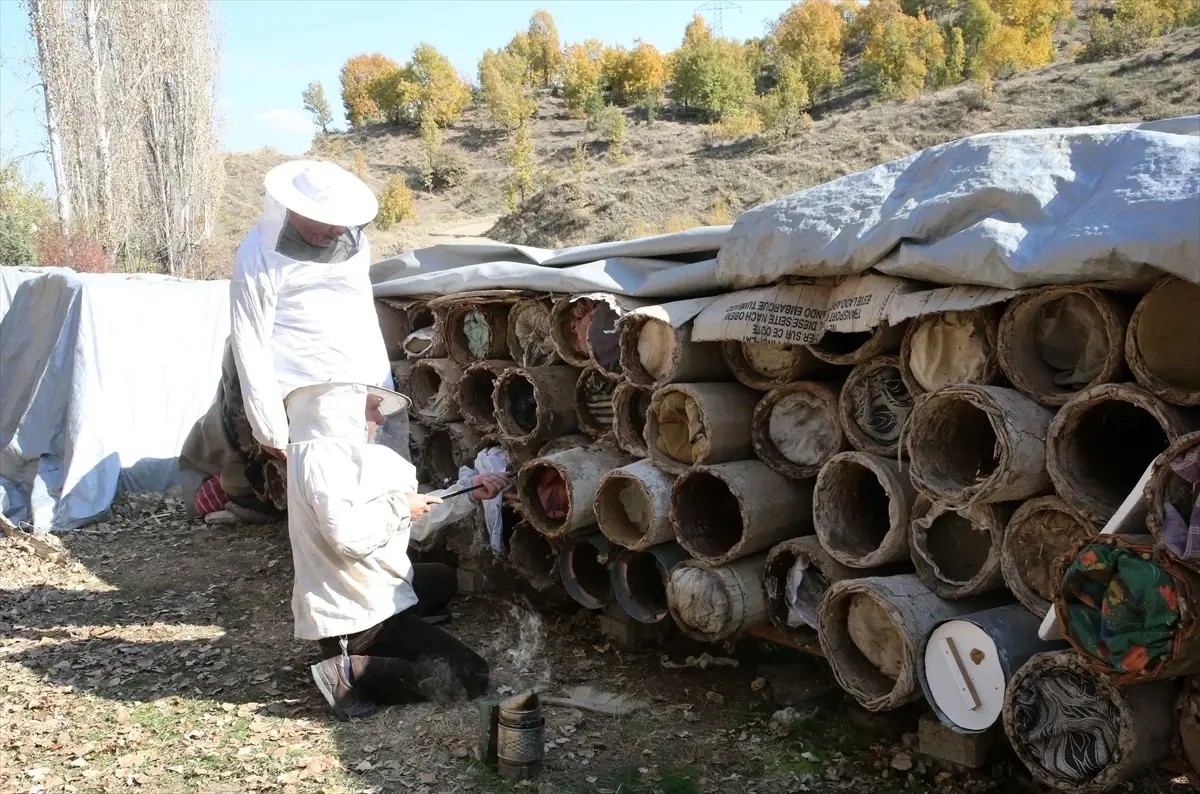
(811, 34)
(426, 87)
(544, 54)
(317, 105)
(637, 72)
(359, 75)
(502, 78)
(697, 31)
(581, 77)
(783, 108)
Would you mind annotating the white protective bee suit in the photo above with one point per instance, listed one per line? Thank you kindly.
(296, 322)
(348, 513)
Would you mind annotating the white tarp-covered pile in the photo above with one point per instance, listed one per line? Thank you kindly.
(101, 378)
(954, 226)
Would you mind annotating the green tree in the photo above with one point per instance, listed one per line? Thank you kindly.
(521, 159)
(427, 86)
(501, 75)
(358, 77)
(783, 108)
(317, 105)
(580, 78)
(956, 56)
(711, 77)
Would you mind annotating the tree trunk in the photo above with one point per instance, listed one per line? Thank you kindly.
(103, 154)
(62, 189)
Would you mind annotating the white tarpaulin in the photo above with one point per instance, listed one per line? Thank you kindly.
(667, 265)
(103, 377)
(1008, 210)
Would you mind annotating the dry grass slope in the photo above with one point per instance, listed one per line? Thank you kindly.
(674, 177)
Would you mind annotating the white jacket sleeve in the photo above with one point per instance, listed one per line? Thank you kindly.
(359, 530)
(252, 318)
(447, 512)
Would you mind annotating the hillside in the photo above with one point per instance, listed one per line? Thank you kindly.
(675, 177)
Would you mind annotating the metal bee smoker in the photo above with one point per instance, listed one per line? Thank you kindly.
(513, 735)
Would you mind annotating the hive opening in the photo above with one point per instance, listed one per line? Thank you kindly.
(1167, 334)
(960, 449)
(604, 340)
(626, 508)
(1111, 445)
(425, 384)
(868, 644)
(519, 402)
(546, 495)
(645, 581)
(957, 548)
(440, 456)
(590, 571)
(475, 396)
(532, 554)
(837, 343)
(708, 515)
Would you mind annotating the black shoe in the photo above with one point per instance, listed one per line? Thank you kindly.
(436, 620)
(346, 701)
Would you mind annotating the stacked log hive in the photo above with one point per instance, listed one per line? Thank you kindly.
(862, 489)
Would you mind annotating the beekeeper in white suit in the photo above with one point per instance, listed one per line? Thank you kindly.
(352, 507)
(301, 312)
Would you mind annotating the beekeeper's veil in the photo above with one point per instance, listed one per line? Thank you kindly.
(350, 412)
(322, 192)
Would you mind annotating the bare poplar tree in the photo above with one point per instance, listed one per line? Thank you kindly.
(47, 25)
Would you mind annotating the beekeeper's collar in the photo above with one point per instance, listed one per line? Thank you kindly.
(348, 411)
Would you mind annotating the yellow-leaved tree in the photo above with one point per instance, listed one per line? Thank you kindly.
(427, 87)
(697, 31)
(902, 53)
(502, 78)
(811, 34)
(358, 76)
(638, 72)
(1002, 35)
(581, 76)
(544, 52)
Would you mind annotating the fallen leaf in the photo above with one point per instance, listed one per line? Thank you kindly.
(364, 766)
(902, 762)
(428, 778)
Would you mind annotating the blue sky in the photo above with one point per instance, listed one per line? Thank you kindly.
(271, 49)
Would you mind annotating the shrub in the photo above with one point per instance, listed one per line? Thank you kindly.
(782, 109)
(581, 78)
(613, 131)
(396, 205)
(360, 165)
(734, 126)
(521, 158)
(1134, 25)
(75, 250)
(442, 170)
(16, 242)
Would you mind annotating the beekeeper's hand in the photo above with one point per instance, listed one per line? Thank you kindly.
(419, 504)
(488, 485)
(276, 453)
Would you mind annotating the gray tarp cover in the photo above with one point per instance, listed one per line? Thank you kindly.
(1011, 210)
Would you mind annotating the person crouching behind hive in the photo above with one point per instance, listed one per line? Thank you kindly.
(352, 507)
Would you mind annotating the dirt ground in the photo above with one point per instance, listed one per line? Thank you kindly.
(156, 655)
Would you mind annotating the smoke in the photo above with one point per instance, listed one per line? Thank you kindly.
(524, 652)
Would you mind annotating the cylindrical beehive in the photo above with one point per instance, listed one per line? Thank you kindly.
(584, 329)
(796, 576)
(583, 568)
(694, 423)
(861, 509)
(654, 352)
(558, 491)
(401, 377)
(535, 404)
(764, 366)
(957, 553)
(1173, 497)
(1129, 609)
(796, 429)
(973, 444)
(949, 348)
(417, 434)
(1163, 337)
(850, 349)
(529, 340)
(1101, 442)
(1039, 532)
(476, 331)
(631, 404)
(394, 325)
(633, 506)
(731, 510)
(711, 603)
(1058, 341)
(447, 447)
(594, 402)
(476, 393)
(534, 556)
(639, 580)
(434, 384)
(1076, 731)
(873, 632)
(424, 338)
(874, 405)
(969, 660)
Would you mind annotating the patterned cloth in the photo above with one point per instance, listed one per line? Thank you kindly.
(1123, 610)
(881, 405)
(1181, 531)
(1064, 725)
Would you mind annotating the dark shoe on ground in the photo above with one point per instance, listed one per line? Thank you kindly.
(340, 694)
